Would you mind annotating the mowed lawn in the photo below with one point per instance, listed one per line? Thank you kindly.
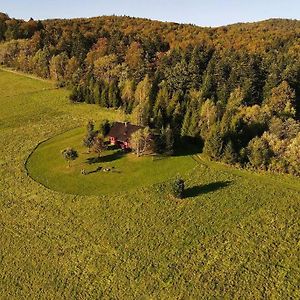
(127, 171)
(235, 235)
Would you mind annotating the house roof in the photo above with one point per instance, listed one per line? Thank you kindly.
(123, 131)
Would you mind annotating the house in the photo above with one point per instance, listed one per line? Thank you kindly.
(120, 134)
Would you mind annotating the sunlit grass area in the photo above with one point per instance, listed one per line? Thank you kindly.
(235, 234)
(114, 171)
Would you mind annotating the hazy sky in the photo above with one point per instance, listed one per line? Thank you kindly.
(200, 12)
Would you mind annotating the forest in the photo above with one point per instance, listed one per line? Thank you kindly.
(236, 88)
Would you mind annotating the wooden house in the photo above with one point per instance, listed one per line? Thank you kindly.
(120, 134)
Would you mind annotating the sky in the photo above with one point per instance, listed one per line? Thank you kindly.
(200, 12)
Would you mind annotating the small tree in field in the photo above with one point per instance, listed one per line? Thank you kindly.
(69, 154)
(99, 145)
(177, 188)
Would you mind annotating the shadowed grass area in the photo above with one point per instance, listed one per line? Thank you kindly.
(206, 188)
(118, 154)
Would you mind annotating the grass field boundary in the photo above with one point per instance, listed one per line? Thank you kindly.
(250, 173)
(32, 93)
(31, 153)
(16, 72)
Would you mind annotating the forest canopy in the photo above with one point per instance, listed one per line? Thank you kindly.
(236, 88)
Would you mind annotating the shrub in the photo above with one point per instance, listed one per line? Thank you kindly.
(176, 188)
(69, 154)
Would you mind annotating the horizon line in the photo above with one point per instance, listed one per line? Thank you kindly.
(156, 20)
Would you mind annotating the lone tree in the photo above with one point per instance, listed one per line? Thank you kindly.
(89, 138)
(69, 154)
(177, 188)
(99, 145)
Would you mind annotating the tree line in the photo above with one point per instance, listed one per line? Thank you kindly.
(235, 88)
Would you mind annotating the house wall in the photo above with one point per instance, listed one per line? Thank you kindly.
(123, 145)
(112, 140)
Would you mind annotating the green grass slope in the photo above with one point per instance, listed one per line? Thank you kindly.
(234, 236)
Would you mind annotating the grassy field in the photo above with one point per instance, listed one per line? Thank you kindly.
(234, 236)
(128, 172)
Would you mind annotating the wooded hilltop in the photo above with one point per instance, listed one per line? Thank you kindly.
(235, 88)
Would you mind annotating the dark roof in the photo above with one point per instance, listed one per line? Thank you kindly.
(123, 131)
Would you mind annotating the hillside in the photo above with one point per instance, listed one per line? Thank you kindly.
(234, 235)
(235, 89)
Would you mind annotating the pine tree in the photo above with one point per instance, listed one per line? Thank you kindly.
(169, 140)
(158, 120)
(213, 145)
(104, 96)
(97, 93)
(186, 123)
(113, 95)
(229, 156)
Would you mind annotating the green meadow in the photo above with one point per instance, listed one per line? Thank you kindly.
(127, 171)
(235, 235)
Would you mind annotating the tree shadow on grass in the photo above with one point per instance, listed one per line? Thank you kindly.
(107, 158)
(205, 189)
(188, 146)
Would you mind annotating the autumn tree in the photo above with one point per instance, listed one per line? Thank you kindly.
(259, 153)
(140, 141)
(134, 56)
(57, 66)
(282, 100)
(98, 145)
(292, 155)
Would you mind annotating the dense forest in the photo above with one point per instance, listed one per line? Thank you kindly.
(235, 88)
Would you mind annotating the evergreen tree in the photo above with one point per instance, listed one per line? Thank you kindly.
(97, 93)
(158, 120)
(169, 140)
(213, 145)
(229, 156)
(113, 95)
(104, 96)
(186, 123)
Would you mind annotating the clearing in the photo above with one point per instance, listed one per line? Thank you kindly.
(47, 166)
